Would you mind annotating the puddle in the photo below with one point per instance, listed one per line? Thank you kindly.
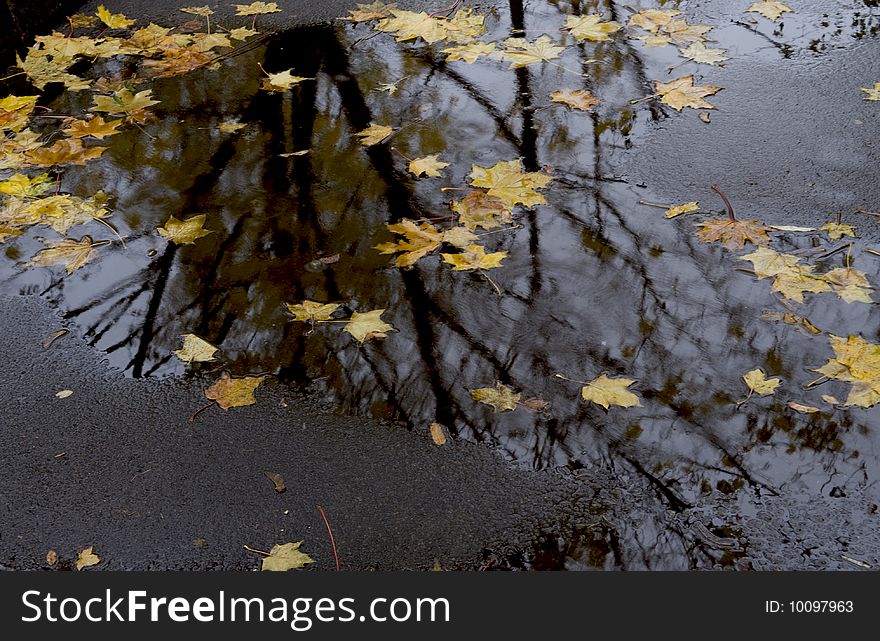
(594, 282)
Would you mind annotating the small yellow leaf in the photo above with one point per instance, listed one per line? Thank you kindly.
(590, 27)
(242, 33)
(575, 98)
(470, 51)
(428, 165)
(501, 398)
(282, 81)
(521, 53)
(125, 101)
(770, 10)
(698, 52)
(850, 284)
(195, 350)
(368, 325)
(836, 231)
(686, 208)
(230, 126)
(459, 237)
(113, 20)
(757, 382)
(184, 232)
(438, 434)
(309, 310)
(374, 134)
(234, 392)
(285, 557)
(873, 93)
(652, 19)
(418, 242)
(682, 92)
(203, 11)
(795, 281)
(768, 263)
(87, 558)
(474, 257)
(367, 12)
(256, 8)
(69, 151)
(606, 392)
(507, 181)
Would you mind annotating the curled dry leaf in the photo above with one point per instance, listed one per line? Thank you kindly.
(501, 398)
(803, 409)
(277, 481)
(51, 557)
(286, 557)
(234, 392)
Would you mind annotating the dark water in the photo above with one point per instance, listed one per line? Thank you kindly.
(594, 282)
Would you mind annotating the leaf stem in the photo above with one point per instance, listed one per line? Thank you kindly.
(727, 204)
(250, 549)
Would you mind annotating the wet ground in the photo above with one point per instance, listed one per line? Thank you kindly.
(594, 282)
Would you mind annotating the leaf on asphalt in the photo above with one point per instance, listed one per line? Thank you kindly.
(374, 134)
(234, 392)
(97, 127)
(87, 558)
(367, 326)
(803, 409)
(286, 557)
(501, 398)
(65, 393)
(282, 81)
(733, 234)
(682, 92)
(277, 481)
(590, 27)
(507, 181)
(836, 231)
(607, 391)
(366, 12)
(479, 209)
(855, 361)
(113, 20)
(312, 311)
(438, 434)
(686, 208)
(698, 52)
(873, 93)
(256, 8)
(428, 165)
(850, 284)
(203, 11)
(418, 241)
(69, 151)
(195, 350)
(519, 52)
(71, 253)
(575, 98)
(770, 10)
(474, 257)
(756, 380)
(184, 232)
(51, 557)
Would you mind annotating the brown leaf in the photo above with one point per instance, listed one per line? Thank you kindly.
(51, 557)
(733, 234)
(536, 404)
(438, 434)
(277, 480)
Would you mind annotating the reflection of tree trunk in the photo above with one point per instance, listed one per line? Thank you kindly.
(163, 269)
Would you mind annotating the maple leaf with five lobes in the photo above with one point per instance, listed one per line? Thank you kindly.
(836, 231)
(231, 392)
(285, 557)
(500, 398)
(242, 33)
(686, 208)
(607, 391)
(733, 234)
(756, 380)
(71, 253)
(282, 81)
(428, 165)
(507, 181)
(470, 52)
(464, 26)
(655, 40)
(113, 20)
(474, 257)
(184, 232)
(521, 53)
(15, 110)
(60, 211)
(41, 70)
(87, 558)
(590, 27)
(855, 361)
(203, 11)
(850, 284)
(795, 281)
(374, 134)
(698, 52)
(368, 325)
(195, 350)
(25, 186)
(652, 19)
(97, 127)
(768, 263)
(479, 209)
(419, 241)
(575, 98)
(770, 10)
(873, 92)
(459, 237)
(682, 92)
(312, 311)
(367, 12)
(680, 32)
(410, 25)
(64, 152)
(125, 101)
(256, 8)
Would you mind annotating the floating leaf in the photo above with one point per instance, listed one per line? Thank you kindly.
(242, 33)
(856, 361)
(234, 392)
(575, 98)
(419, 241)
(125, 101)
(768, 263)
(850, 284)
(23, 186)
(87, 558)
(681, 93)
(803, 409)
(507, 181)
(479, 209)
(195, 350)
(698, 52)
(470, 52)
(459, 237)
(652, 19)
(756, 380)
(428, 165)
(367, 12)
(97, 127)
(686, 208)
(474, 257)
(60, 212)
(521, 53)
(184, 232)
(733, 234)
(836, 231)
(282, 81)
(312, 311)
(374, 134)
(256, 8)
(680, 32)
(71, 253)
(230, 126)
(770, 10)
(42, 69)
(113, 20)
(368, 325)
(287, 556)
(501, 398)
(409, 25)
(590, 27)
(607, 391)
(69, 151)
(795, 281)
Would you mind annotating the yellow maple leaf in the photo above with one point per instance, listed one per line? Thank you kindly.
(428, 165)
(521, 53)
(507, 181)
(470, 52)
(850, 284)
(680, 32)
(230, 126)
(652, 19)
(837, 231)
(203, 11)
(234, 392)
(71, 253)
(15, 111)
(374, 134)
(757, 382)
(575, 98)
(479, 209)
(795, 281)
(184, 232)
(42, 69)
(24, 186)
(501, 398)
(195, 350)
(474, 257)
(97, 127)
(770, 10)
(606, 392)
(873, 93)
(125, 101)
(368, 325)
(410, 25)
(856, 361)
(590, 27)
(282, 81)
(698, 52)
(87, 558)
(656, 40)
(366, 12)
(682, 92)
(686, 208)
(419, 241)
(256, 8)
(768, 263)
(242, 33)
(63, 152)
(459, 237)
(285, 557)
(113, 20)
(733, 234)
(310, 310)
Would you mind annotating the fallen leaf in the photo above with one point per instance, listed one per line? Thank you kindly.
(656, 40)
(195, 350)
(51, 557)
(256, 8)
(590, 27)
(479, 209)
(230, 126)
(680, 32)
(507, 181)
(125, 101)
(652, 19)
(470, 52)
(459, 237)
(830, 399)
(42, 70)
(873, 93)
(536, 404)
(856, 361)
(277, 481)
(286, 557)
(242, 33)
(65, 393)
(54, 336)
(757, 382)
(793, 228)
(368, 325)
(795, 281)
(705, 117)
(686, 208)
(15, 111)
(184, 232)
(374, 134)
(309, 310)
(329, 260)
(203, 11)
(836, 231)
(113, 21)
(607, 391)
(97, 127)
(367, 12)
(733, 234)
(699, 52)
(575, 98)
(87, 558)
(803, 409)
(69, 151)
(418, 242)
(501, 398)
(234, 392)
(474, 257)
(768, 263)
(521, 53)
(438, 434)
(850, 284)
(463, 27)
(60, 211)
(24, 186)
(282, 81)
(770, 10)
(71, 253)
(428, 165)
(682, 92)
